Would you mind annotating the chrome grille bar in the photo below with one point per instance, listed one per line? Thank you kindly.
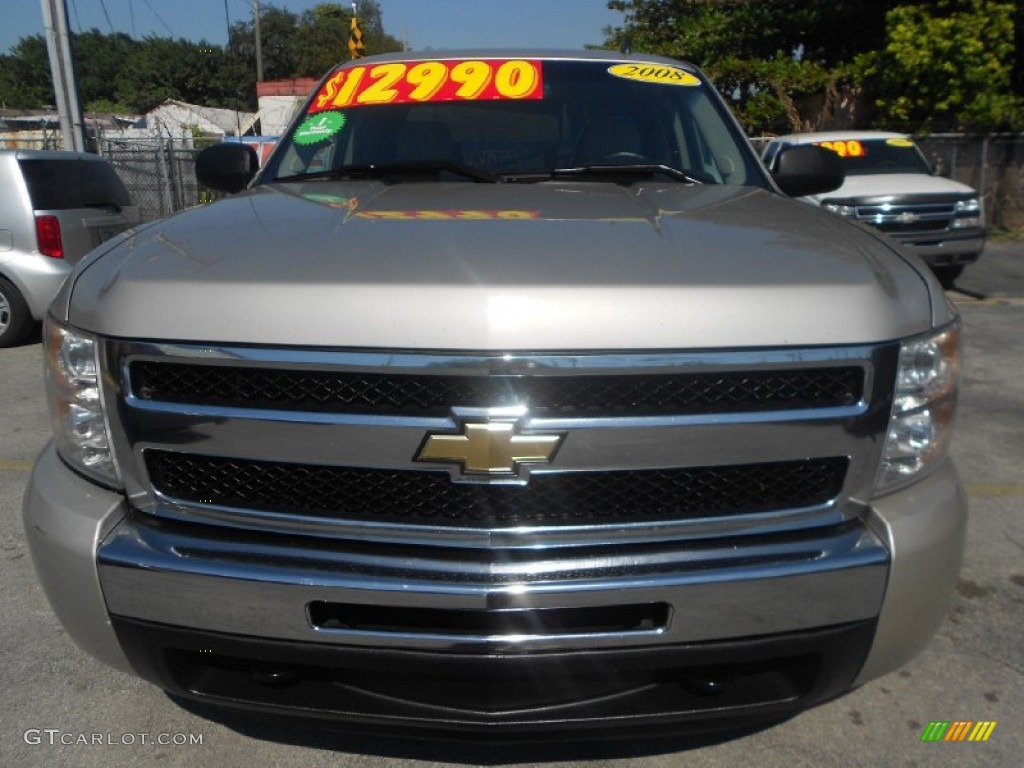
(846, 428)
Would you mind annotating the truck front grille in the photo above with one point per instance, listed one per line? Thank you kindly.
(545, 395)
(578, 498)
(908, 217)
(655, 446)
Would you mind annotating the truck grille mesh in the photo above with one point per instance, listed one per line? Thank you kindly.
(908, 217)
(431, 498)
(551, 396)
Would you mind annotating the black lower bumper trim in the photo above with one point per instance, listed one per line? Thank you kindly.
(705, 686)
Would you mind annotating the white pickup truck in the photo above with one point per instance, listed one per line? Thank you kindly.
(891, 186)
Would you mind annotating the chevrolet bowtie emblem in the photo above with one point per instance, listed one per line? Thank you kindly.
(489, 448)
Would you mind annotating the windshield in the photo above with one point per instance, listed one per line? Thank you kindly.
(515, 120)
(863, 157)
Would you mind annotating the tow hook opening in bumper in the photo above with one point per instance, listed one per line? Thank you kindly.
(611, 619)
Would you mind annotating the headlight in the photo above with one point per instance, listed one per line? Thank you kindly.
(842, 210)
(76, 402)
(967, 213)
(923, 408)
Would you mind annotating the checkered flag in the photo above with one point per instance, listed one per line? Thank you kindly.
(356, 49)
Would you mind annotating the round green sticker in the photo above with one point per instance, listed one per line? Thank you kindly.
(317, 128)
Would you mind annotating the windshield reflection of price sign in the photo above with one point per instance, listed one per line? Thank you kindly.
(430, 81)
(845, 148)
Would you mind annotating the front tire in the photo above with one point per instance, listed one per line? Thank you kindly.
(947, 275)
(15, 319)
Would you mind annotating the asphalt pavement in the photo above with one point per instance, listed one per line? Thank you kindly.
(60, 707)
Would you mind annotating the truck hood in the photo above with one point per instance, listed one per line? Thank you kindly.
(877, 185)
(552, 266)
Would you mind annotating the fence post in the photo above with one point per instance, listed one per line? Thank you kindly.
(172, 176)
(166, 206)
(983, 179)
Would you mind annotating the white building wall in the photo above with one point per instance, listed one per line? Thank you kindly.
(276, 112)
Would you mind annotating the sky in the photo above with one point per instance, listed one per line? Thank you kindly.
(434, 24)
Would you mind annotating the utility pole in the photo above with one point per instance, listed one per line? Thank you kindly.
(259, 40)
(62, 67)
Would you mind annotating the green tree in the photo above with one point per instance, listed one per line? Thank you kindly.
(783, 64)
(323, 38)
(707, 31)
(309, 44)
(1018, 65)
(278, 30)
(371, 22)
(803, 64)
(98, 61)
(783, 94)
(25, 81)
(959, 57)
(161, 68)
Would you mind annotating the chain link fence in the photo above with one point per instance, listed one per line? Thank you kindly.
(160, 172)
(992, 164)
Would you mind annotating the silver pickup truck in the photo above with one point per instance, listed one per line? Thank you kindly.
(512, 395)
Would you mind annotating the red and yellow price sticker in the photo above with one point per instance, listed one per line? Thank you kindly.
(844, 147)
(431, 81)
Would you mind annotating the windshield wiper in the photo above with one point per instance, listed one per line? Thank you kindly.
(614, 172)
(386, 170)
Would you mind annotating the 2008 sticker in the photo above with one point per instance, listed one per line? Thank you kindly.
(654, 73)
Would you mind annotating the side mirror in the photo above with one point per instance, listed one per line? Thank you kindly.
(227, 167)
(808, 170)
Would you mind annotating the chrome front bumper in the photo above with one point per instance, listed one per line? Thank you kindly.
(96, 560)
(270, 588)
(945, 248)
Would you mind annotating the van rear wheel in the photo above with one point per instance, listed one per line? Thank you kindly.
(15, 319)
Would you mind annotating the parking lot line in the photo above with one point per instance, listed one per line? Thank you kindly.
(995, 489)
(15, 465)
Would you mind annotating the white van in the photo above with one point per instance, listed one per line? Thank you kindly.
(891, 186)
